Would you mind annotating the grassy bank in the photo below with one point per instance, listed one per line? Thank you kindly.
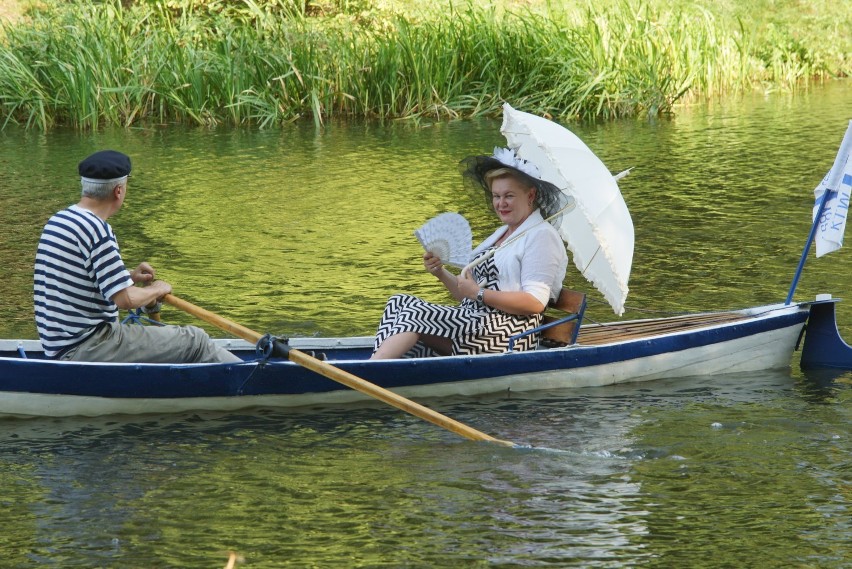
(267, 62)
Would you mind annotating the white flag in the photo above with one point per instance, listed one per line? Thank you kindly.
(832, 222)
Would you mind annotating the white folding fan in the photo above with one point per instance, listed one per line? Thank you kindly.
(447, 236)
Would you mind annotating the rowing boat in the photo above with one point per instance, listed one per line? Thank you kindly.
(735, 341)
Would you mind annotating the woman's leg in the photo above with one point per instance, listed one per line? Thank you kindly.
(440, 345)
(396, 346)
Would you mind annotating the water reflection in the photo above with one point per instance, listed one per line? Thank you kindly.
(617, 476)
(824, 385)
(765, 472)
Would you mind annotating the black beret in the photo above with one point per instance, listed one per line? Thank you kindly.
(105, 165)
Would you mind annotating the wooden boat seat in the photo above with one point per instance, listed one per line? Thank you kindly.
(563, 330)
(559, 330)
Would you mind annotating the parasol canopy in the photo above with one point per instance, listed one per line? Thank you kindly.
(599, 230)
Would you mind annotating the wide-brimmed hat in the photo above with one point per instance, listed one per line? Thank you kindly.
(474, 170)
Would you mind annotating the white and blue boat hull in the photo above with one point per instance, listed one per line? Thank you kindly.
(762, 338)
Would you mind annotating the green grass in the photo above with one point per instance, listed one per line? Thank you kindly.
(268, 62)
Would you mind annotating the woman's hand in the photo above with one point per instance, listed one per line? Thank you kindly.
(432, 263)
(435, 266)
(512, 302)
(467, 287)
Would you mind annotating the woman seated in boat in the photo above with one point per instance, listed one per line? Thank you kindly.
(507, 294)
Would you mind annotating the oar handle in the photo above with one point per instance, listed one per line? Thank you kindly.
(339, 375)
(152, 309)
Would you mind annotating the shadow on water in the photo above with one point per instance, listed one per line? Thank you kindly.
(823, 385)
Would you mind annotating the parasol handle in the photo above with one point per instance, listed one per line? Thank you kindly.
(468, 269)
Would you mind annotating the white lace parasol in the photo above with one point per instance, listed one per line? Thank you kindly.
(447, 236)
(599, 231)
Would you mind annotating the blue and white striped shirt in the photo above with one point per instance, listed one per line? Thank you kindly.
(78, 269)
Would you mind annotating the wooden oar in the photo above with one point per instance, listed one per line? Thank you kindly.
(337, 374)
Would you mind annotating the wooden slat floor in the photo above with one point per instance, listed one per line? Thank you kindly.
(596, 334)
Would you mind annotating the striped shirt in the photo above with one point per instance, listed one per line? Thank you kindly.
(78, 269)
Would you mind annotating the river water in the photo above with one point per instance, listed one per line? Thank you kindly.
(304, 232)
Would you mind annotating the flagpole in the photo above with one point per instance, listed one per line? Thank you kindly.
(838, 176)
(807, 249)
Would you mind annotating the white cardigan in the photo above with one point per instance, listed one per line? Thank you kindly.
(535, 262)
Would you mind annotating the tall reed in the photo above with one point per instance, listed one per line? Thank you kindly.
(266, 63)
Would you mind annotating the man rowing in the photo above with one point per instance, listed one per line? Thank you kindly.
(81, 282)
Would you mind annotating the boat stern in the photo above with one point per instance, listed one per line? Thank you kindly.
(824, 347)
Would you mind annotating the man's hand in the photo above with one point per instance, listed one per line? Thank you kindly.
(144, 273)
(134, 296)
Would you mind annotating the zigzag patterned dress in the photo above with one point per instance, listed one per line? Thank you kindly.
(472, 327)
